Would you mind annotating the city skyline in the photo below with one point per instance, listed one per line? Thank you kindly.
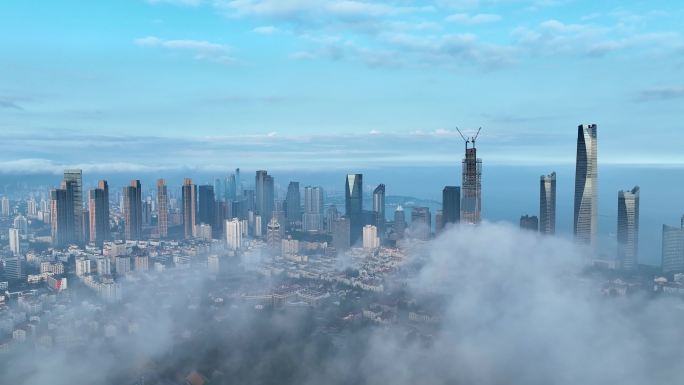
(340, 192)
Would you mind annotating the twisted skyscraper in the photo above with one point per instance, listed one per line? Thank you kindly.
(586, 188)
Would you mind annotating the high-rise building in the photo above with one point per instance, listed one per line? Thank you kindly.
(21, 223)
(147, 212)
(14, 268)
(132, 210)
(61, 218)
(547, 204)
(421, 222)
(370, 237)
(104, 266)
(273, 234)
(399, 225)
(341, 234)
(354, 205)
(586, 188)
(265, 196)
(189, 196)
(219, 189)
(439, 221)
(379, 207)
(293, 201)
(141, 262)
(123, 265)
(230, 192)
(628, 229)
(234, 232)
(238, 183)
(76, 177)
(529, 222)
(451, 205)
(673, 249)
(331, 216)
(313, 209)
(162, 209)
(14, 241)
(5, 207)
(98, 210)
(207, 205)
(471, 182)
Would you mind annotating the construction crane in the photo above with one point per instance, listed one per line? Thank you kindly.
(472, 139)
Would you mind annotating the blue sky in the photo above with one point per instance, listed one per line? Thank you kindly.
(137, 85)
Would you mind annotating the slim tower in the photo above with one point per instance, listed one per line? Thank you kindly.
(75, 176)
(353, 203)
(264, 197)
(189, 196)
(162, 208)
(293, 201)
(547, 204)
(628, 229)
(133, 211)
(586, 188)
(98, 209)
(379, 207)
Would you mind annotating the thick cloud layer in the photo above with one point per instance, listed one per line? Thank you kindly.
(514, 307)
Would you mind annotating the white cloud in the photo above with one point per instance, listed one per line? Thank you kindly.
(265, 30)
(480, 18)
(203, 50)
(191, 3)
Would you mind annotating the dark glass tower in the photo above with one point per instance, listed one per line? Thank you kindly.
(206, 205)
(354, 205)
(451, 205)
(189, 197)
(293, 202)
(75, 177)
(264, 197)
(98, 208)
(133, 211)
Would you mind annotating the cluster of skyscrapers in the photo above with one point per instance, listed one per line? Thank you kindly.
(227, 209)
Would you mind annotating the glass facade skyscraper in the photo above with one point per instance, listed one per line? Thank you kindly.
(628, 229)
(451, 205)
(132, 199)
(353, 203)
(547, 204)
(75, 176)
(265, 196)
(189, 197)
(586, 187)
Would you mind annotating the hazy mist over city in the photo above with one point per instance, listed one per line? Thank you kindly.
(202, 192)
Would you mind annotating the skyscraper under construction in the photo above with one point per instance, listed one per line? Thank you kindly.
(471, 187)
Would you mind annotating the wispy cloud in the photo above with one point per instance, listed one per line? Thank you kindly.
(265, 30)
(662, 93)
(11, 104)
(191, 3)
(202, 50)
(480, 18)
